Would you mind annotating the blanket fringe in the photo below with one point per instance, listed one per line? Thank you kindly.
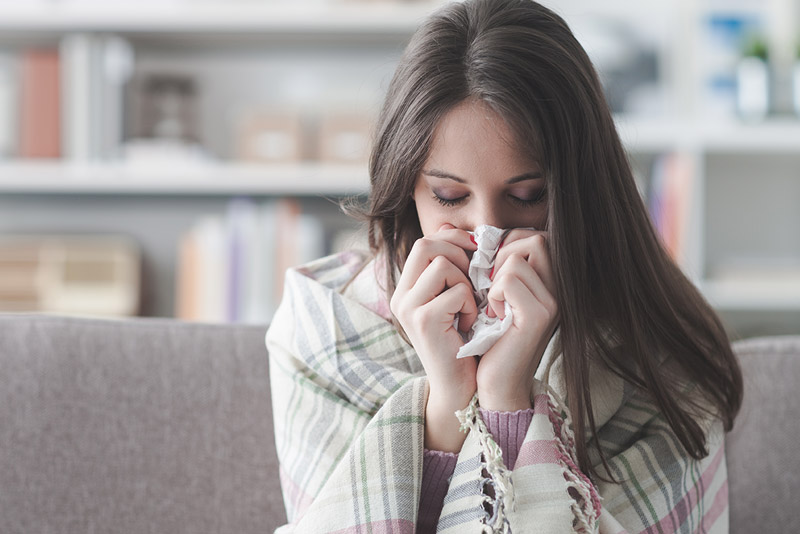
(499, 475)
(586, 506)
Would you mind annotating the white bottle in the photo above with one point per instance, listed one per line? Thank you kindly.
(796, 86)
(752, 96)
(8, 116)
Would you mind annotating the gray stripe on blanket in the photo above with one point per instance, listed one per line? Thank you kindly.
(473, 487)
(373, 369)
(461, 517)
(464, 466)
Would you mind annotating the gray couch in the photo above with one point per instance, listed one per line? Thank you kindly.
(156, 426)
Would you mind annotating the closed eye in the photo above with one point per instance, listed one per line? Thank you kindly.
(449, 202)
(537, 198)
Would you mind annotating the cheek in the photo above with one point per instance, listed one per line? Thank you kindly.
(432, 216)
(428, 216)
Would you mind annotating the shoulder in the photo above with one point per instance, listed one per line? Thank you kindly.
(330, 296)
(333, 272)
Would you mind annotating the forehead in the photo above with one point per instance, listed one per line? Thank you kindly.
(474, 136)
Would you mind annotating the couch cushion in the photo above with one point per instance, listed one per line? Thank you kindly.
(135, 426)
(762, 449)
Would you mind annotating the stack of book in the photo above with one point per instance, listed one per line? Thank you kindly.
(74, 275)
(231, 267)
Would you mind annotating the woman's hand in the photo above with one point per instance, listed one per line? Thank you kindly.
(432, 291)
(523, 277)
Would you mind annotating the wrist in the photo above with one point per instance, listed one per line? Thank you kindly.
(442, 428)
(499, 401)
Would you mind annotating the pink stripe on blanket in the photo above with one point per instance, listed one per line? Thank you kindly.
(685, 506)
(299, 499)
(540, 451)
(719, 506)
(540, 403)
(388, 526)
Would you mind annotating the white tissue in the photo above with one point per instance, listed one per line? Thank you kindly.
(485, 330)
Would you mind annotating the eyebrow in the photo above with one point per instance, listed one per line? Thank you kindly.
(436, 173)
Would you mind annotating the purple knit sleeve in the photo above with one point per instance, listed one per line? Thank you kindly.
(508, 430)
(437, 468)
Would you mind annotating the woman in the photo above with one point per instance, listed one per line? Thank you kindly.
(604, 403)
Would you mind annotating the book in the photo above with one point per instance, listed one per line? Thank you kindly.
(8, 105)
(96, 69)
(77, 95)
(669, 202)
(40, 108)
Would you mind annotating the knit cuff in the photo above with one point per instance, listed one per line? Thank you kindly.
(437, 468)
(508, 429)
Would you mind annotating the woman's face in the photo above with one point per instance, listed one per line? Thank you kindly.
(475, 175)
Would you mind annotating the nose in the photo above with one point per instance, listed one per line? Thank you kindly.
(488, 213)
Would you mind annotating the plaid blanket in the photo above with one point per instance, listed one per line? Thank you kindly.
(349, 398)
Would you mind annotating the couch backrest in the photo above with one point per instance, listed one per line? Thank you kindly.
(763, 450)
(164, 426)
(135, 426)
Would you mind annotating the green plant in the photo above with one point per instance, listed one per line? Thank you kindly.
(756, 46)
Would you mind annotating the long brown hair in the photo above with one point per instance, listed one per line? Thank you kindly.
(612, 273)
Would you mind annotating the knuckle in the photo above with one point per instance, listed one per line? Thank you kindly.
(548, 310)
(425, 245)
(515, 261)
(394, 303)
(552, 307)
(463, 290)
(539, 243)
(439, 263)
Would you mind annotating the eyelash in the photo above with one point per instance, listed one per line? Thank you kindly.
(448, 202)
(539, 198)
(452, 202)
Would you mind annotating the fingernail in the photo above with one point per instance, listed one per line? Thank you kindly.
(472, 238)
(501, 244)
(491, 274)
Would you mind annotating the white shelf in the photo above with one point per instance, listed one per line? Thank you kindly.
(710, 135)
(167, 178)
(762, 295)
(231, 17)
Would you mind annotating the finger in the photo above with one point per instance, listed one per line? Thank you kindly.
(456, 300)
(515, 241)
(440, 275)
(515, 234)
(461, 238)
(452, 244)
(519, 298)
(534, 249)
(517, 269)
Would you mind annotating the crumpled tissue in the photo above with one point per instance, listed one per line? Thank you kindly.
(485, 330)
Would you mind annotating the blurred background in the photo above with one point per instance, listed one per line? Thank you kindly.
(173, 157)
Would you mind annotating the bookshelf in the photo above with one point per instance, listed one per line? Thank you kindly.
(739, 244)
(265, 20)
(300, 179)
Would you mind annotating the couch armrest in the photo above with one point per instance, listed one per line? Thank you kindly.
(135, 426)
(762, 458)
